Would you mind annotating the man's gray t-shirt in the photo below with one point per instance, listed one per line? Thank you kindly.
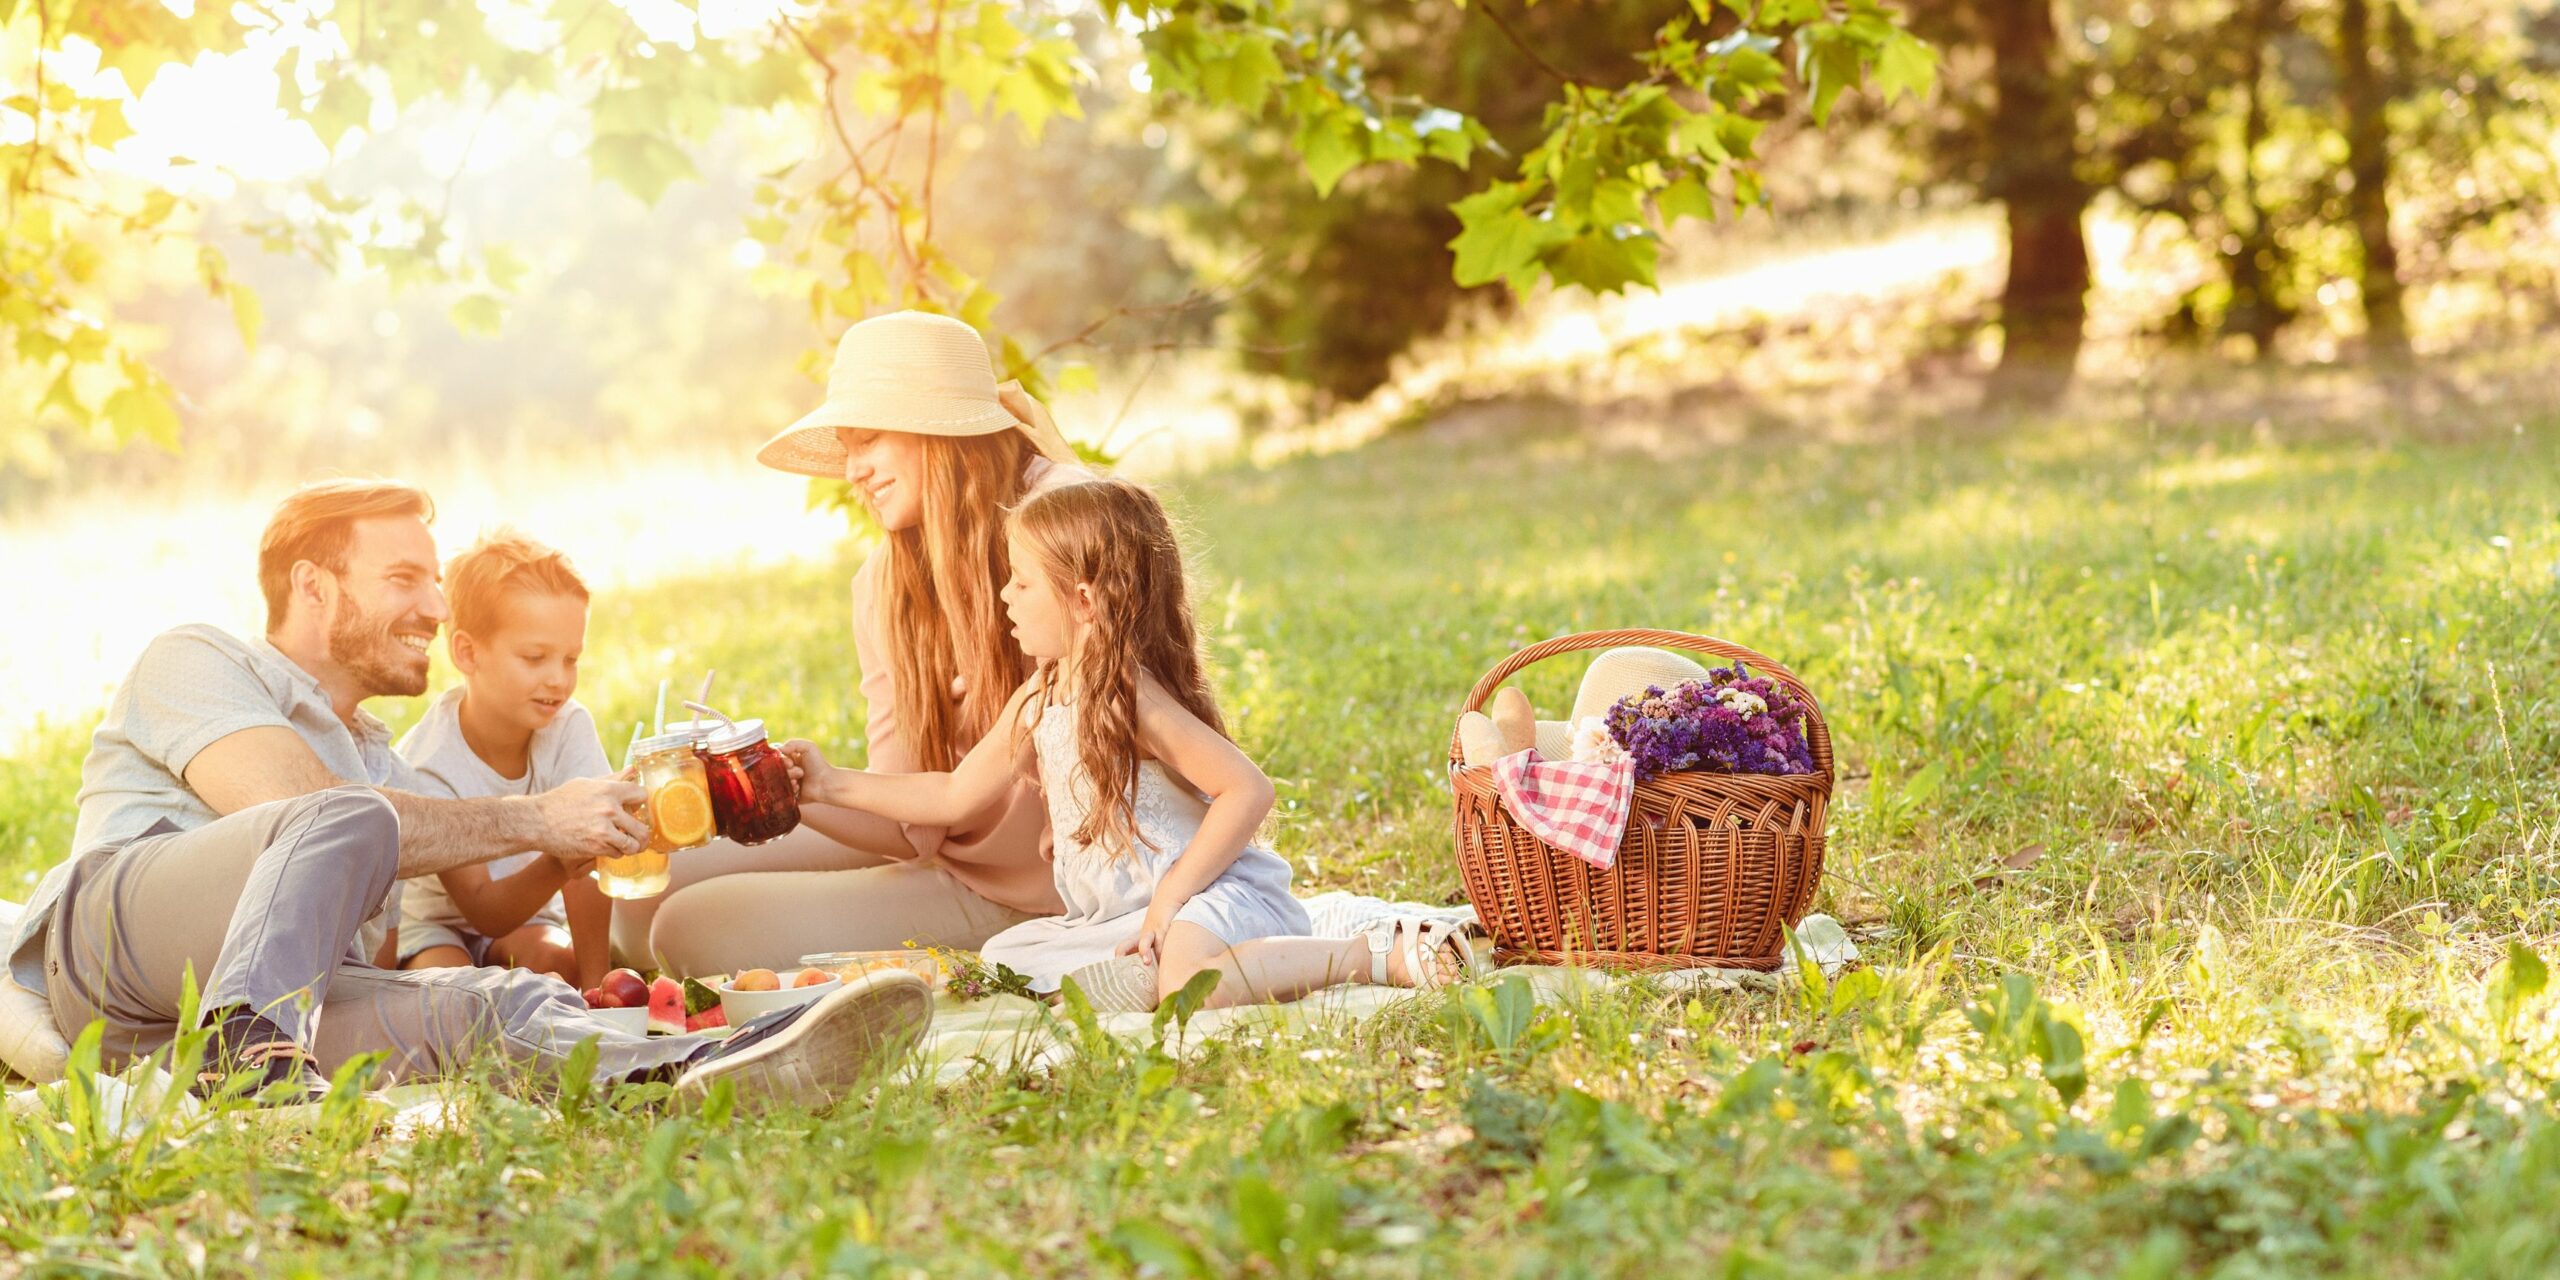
(565, 749)
(192, 687)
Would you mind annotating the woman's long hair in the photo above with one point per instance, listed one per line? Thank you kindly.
(1113, 537)
(945, 616)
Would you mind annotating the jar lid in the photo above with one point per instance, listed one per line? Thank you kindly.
(670, 741)
(744, 733)
(695, 731)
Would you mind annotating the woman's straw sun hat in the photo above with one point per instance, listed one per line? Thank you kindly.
(906, 371)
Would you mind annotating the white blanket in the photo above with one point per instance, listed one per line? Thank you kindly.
(1007, 1030)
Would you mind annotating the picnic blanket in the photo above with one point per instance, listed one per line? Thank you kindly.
(1011, 1032)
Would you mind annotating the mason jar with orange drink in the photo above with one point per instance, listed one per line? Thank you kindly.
(678, 808)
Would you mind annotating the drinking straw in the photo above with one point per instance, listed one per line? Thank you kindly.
(630, 748)
(701, 710)
(705, 695)
(661, 721)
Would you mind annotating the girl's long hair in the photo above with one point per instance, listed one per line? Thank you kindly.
(945, 616)
(1113, 537)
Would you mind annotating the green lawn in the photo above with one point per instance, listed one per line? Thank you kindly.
(2260, 722)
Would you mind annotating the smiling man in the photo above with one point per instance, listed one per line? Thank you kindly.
(244, 821)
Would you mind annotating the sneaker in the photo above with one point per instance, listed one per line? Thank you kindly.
(813, 1054)
(253, 1058)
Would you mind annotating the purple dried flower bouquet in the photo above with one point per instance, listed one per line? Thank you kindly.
(1730, 722)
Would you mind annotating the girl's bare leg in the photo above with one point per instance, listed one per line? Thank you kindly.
(1268, 970)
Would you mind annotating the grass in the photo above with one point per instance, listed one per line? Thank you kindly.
(2195, 809)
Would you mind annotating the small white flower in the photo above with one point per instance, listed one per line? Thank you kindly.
(1742, 702)
(1592, 743)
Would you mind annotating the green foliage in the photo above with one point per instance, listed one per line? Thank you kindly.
(1613, 122)
(890, 82)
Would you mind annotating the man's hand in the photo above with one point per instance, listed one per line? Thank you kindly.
(588, 818)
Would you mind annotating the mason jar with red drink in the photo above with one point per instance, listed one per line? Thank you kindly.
(752, 794)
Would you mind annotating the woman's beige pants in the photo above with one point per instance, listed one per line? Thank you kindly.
(730, 907)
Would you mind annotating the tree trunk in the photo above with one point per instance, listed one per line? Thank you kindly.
(2252, 313)
(2386, 322)
(2035, 174)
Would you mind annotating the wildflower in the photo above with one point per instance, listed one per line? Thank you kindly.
(1731, 721)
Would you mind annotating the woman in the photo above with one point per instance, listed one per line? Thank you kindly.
(915, 421)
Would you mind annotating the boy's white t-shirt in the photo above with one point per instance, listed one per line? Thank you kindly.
(564, 749)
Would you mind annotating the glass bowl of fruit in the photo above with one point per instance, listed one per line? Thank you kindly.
(849, 965)
(756, 991)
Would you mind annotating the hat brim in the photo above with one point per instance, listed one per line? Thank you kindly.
(810, 446)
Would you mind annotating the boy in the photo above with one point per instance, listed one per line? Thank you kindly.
(510, 728)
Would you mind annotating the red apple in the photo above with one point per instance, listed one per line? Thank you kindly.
(625, 988)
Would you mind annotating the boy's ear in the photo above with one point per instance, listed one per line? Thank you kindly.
(465, 654)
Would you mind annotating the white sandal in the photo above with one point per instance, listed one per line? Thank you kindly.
(1418, 942)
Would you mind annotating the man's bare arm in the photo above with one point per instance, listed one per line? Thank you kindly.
(574, 822)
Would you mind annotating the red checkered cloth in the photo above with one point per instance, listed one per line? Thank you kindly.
(1577, 807)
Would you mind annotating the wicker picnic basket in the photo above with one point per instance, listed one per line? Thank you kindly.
(1714, 868)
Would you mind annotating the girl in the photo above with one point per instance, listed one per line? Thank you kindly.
(1152, 807)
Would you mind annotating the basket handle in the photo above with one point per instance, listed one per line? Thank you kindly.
(1817, 729)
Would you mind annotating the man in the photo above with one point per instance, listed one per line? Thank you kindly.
(243, 820)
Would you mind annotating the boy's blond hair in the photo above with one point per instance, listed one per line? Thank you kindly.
(478, 580)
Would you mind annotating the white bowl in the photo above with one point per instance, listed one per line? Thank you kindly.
(742, 1006)
(635, 1021)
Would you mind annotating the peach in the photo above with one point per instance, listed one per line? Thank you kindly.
(756, 980)
(810, 977)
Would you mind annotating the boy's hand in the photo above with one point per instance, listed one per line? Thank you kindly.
(589, 818)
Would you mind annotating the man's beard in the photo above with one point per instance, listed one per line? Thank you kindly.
(361, 645)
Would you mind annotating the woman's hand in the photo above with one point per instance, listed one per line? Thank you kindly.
(1034, 417)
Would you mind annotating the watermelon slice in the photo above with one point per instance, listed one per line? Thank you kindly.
(715, 1016)
(666, 1007)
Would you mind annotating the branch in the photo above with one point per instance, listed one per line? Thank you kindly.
(933, 138)
(35, 136)
(853, 154)
(1199, 298)
(1486, 8)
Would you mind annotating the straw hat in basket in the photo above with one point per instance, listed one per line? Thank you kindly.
(1620, 673)
(915, 372)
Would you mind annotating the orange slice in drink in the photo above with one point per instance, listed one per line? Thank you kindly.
(681, 810)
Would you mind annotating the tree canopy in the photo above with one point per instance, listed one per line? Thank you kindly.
(99, 178)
